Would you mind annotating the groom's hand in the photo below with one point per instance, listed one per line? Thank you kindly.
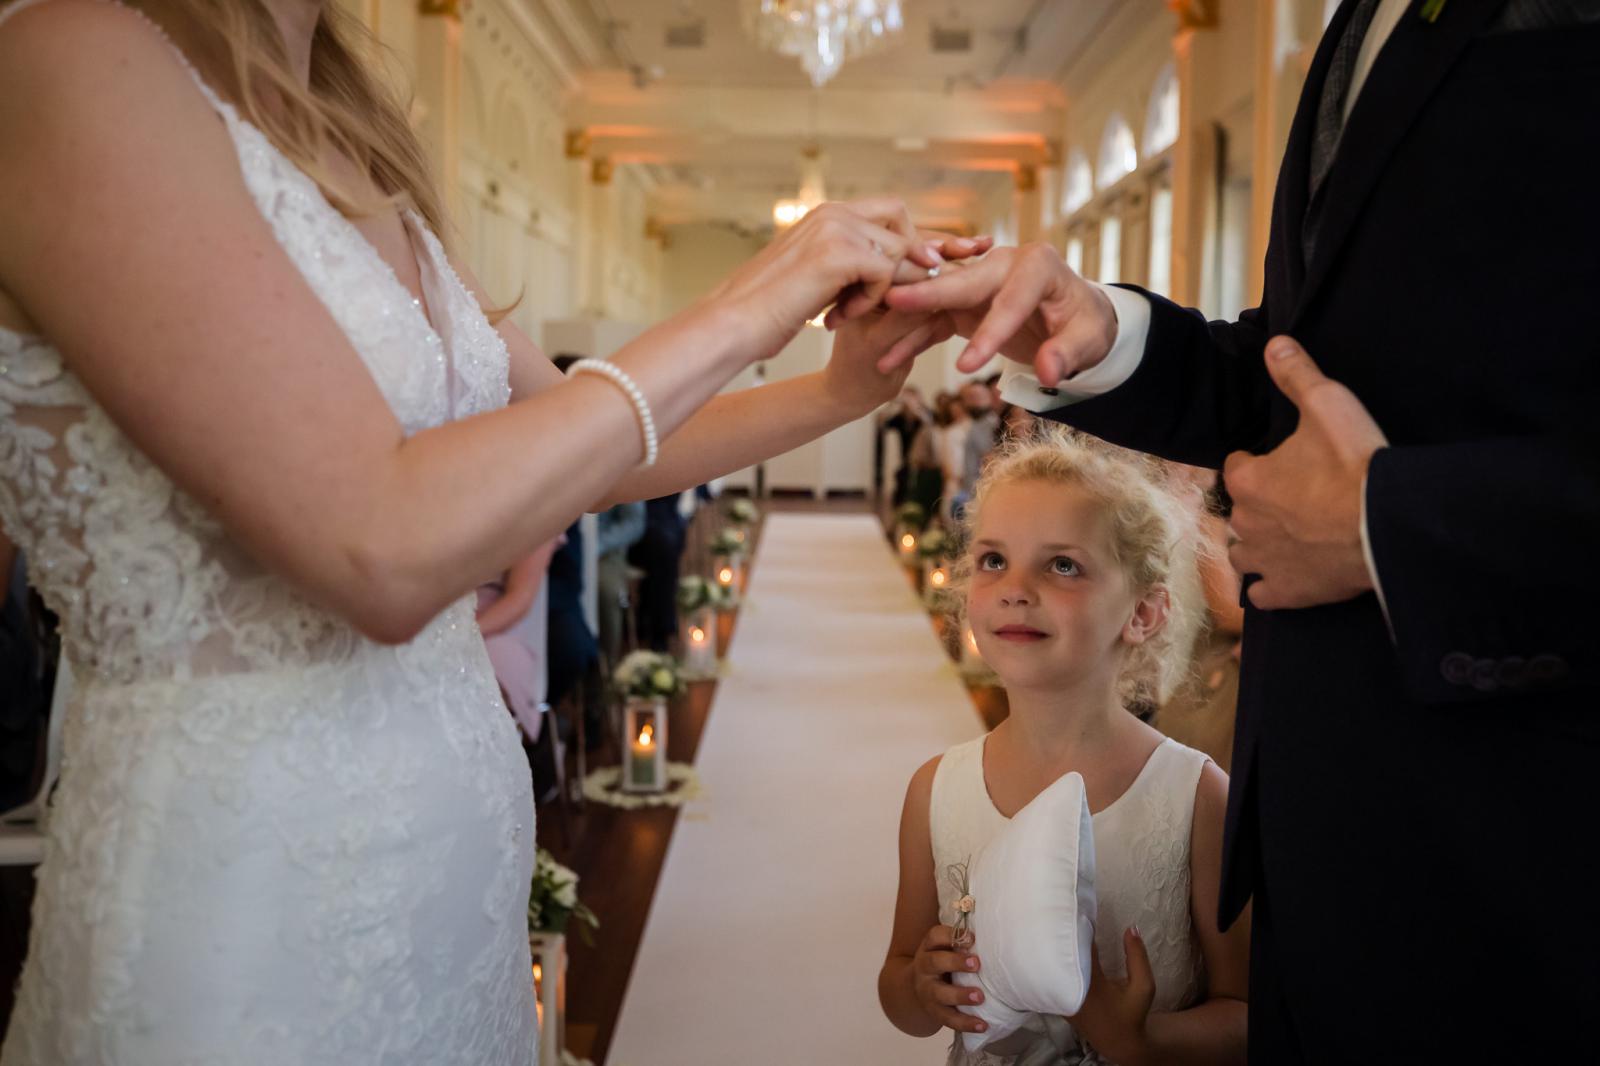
(1297, 510)
(1024, 303)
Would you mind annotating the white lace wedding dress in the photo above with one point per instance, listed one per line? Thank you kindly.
(274, 842)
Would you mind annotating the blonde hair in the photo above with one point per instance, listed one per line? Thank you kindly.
(1153, 531)
(345, 107)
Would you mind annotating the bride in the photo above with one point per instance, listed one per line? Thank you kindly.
(260, 442)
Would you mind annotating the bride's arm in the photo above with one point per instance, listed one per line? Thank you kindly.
(128, 237)
(740, 429)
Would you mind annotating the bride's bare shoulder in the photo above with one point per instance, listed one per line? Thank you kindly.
(57, 55)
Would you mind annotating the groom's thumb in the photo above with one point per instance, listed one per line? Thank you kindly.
(1292, 369)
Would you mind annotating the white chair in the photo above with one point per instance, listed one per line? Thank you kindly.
(22, 827)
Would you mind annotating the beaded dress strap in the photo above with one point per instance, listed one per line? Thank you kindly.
(218, 103)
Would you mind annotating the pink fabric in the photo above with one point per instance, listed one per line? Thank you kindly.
(518, 656)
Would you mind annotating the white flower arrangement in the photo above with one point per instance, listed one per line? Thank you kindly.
(727, 542)
(742, 512)
(683, 785)
(553, 899)
(696, 593)
(935, 543)
(648, 675)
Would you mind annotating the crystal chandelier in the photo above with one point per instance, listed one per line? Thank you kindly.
(822, 34)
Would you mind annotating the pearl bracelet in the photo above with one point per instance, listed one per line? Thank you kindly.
(641, 407)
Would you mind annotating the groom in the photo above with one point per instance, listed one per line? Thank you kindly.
(1416, 485)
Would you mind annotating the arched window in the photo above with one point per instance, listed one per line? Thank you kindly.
(1118, 156)
(1078, 188)
(1161, 124)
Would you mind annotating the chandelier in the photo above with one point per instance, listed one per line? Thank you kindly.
(822, 34)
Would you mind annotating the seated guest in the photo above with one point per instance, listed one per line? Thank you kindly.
(658, 553)
(1200, 713)
(621, 528)
(512, 617)
(905, 417)
(977, 399)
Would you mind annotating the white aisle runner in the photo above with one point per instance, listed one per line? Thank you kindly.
(772, 913)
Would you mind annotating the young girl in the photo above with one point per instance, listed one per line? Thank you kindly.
(1080, 588)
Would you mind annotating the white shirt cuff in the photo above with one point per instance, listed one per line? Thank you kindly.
(1021, 387)
(1372, 567)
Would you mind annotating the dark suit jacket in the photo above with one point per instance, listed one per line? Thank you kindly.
(1418, 800)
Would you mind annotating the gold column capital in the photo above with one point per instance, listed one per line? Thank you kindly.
(448, 8)
(577, 144)
(1194, 14)
(1026, 177)
(600, 171)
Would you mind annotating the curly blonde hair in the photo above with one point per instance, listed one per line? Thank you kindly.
(1153, 531)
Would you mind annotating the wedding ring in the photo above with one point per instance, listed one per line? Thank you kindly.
(933, 272)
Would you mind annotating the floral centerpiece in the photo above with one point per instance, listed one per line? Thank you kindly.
(553, 901)
(727, 542)
(934, 544)
(696, 594)
(911, 516)
(648, 675)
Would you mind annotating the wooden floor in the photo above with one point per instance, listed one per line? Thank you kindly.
(618, 854)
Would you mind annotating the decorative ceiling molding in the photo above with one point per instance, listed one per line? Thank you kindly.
(537, 32)
(580, 36)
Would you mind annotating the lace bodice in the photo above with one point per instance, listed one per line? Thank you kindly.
(274, 841)
(1142, 877)
(146, 583)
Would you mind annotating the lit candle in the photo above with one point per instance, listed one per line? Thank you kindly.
(738, 535)
(644, 755)
(969, 648)
(939, 578)
(908, 547)
(538, 992)
(701, 658)
(725, 577)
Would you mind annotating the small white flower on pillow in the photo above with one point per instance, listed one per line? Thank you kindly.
(1031, 908)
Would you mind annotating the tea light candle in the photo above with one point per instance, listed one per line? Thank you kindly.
(644, 754)
(701, 658)
(908, 547)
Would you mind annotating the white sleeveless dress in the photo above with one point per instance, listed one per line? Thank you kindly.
(1141, 849)
(274, 842)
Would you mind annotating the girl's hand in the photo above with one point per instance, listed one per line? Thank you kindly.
(856, 376)
(937, 958)
(1114, 1012)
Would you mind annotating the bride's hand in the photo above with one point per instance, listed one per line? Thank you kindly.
(850, 253)
(864, 347)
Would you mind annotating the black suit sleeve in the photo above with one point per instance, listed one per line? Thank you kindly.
(1201, 390)
(1485, 552)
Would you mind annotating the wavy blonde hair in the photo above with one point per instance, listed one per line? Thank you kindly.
(1153, 531)
(345, 107)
